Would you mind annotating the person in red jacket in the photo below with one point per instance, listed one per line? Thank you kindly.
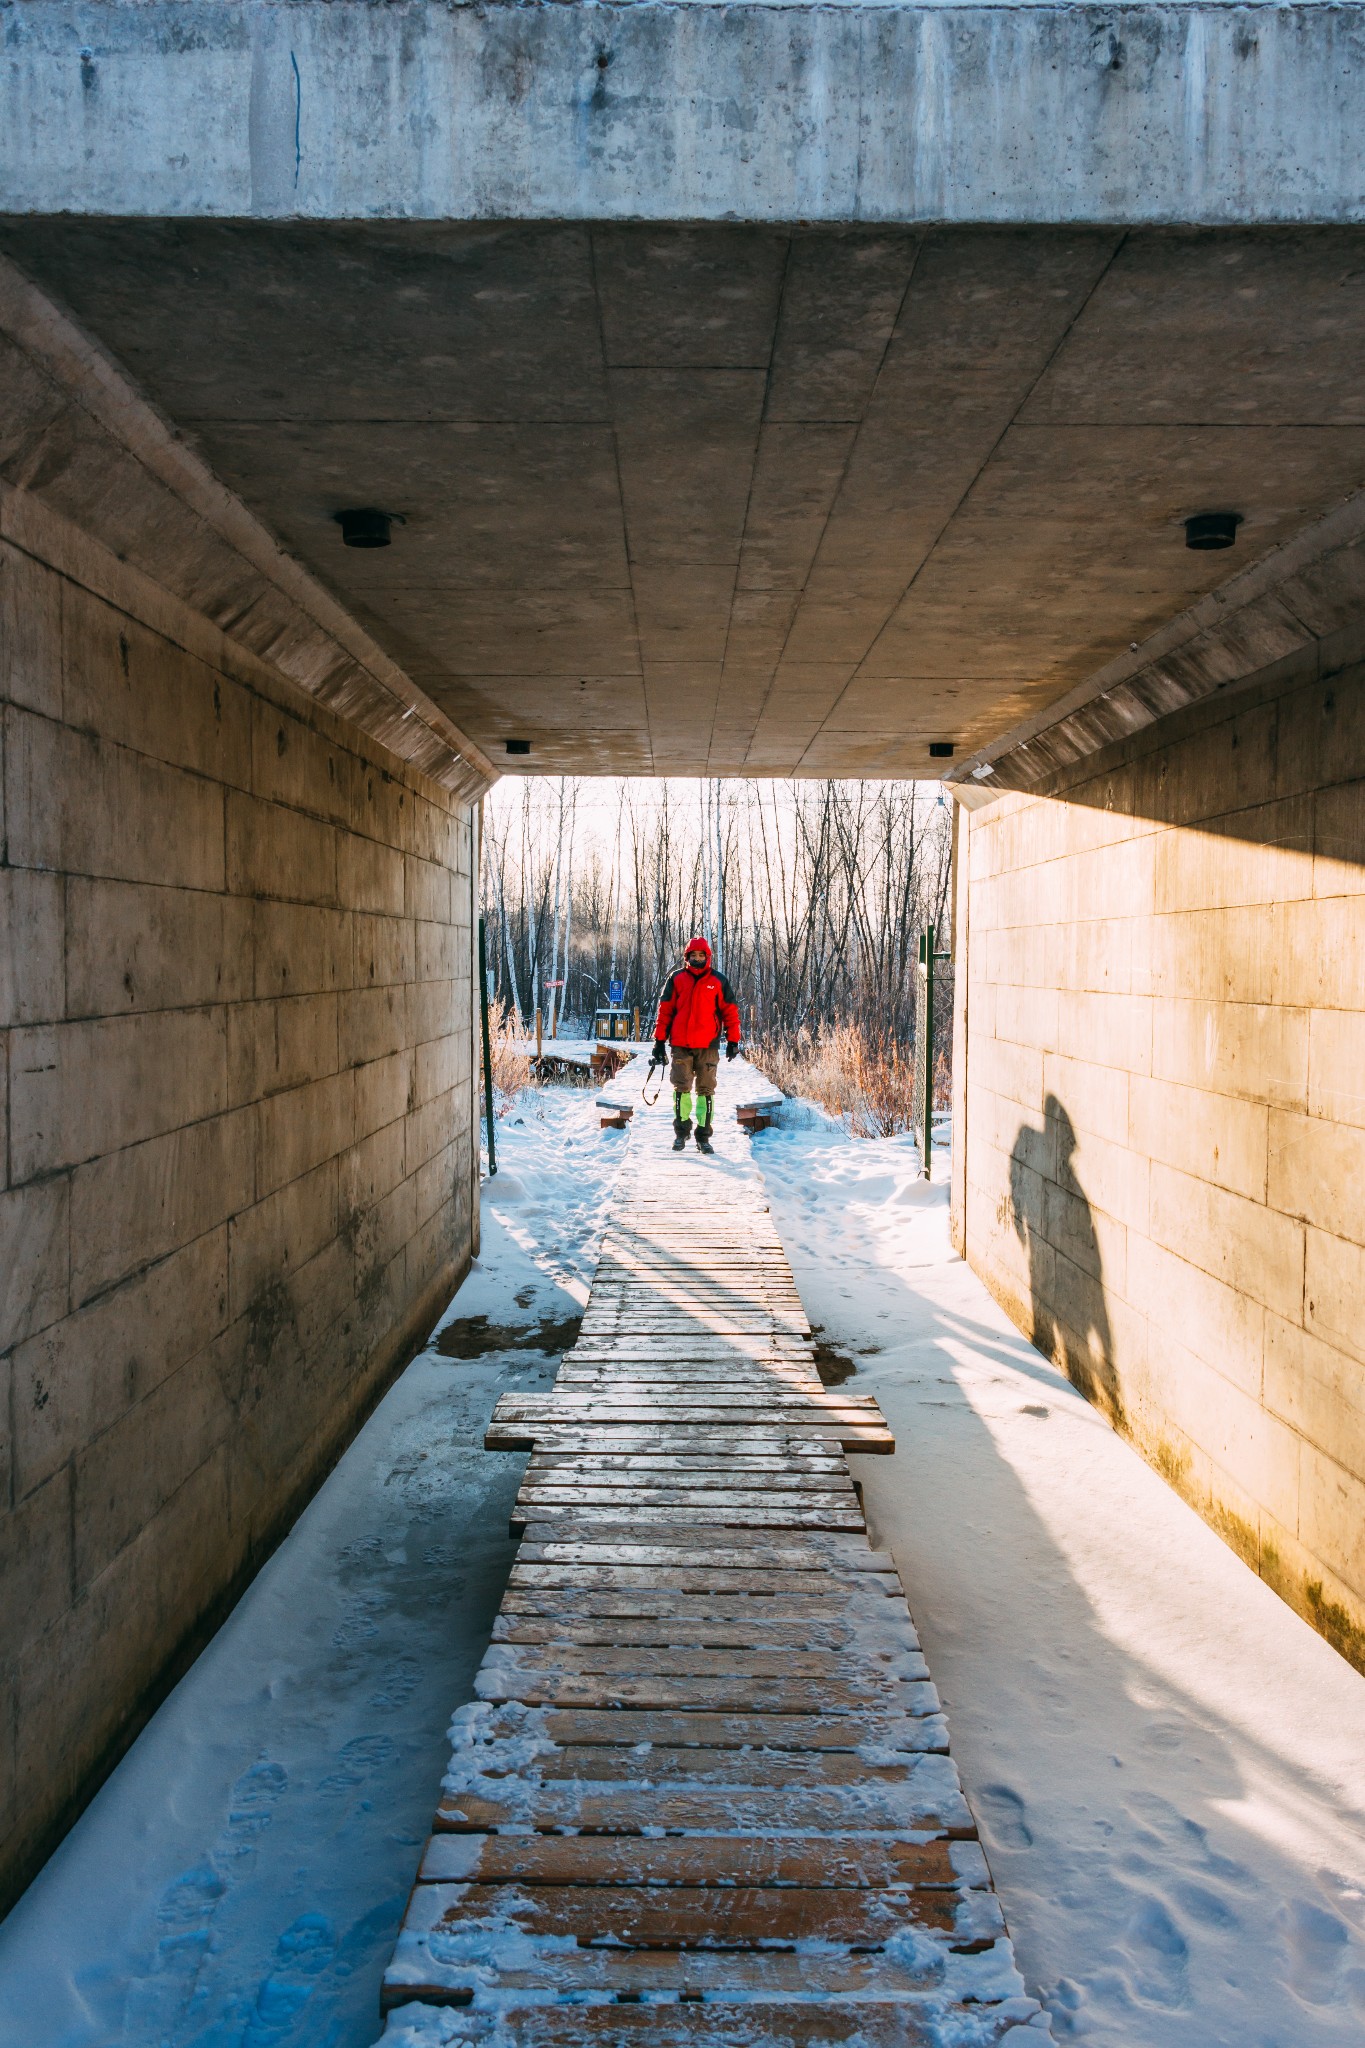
(696, 1006)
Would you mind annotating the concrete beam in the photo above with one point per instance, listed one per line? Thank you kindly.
(78, 439)
(1205, 114)
(1299, 610)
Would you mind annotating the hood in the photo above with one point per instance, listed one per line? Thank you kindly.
(693, 945)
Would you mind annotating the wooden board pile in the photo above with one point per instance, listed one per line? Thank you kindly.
(704, 1795)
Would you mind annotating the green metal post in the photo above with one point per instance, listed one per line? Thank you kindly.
(487, 1053)
(927, 954)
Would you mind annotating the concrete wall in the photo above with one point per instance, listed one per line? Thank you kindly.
(1163, 1179)
(339, 109)
(235, 1095)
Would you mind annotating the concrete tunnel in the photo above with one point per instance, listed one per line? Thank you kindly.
(757, 391)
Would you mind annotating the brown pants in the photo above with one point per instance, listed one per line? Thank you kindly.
(694, 1073)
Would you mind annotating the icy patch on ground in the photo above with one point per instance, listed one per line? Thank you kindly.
(239, 1881)
(1166, 1764)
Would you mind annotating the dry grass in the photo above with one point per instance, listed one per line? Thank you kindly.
(865, 1081)
(511, 1063)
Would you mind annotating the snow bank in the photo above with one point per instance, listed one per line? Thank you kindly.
(239, 1881)
(1166, 1764)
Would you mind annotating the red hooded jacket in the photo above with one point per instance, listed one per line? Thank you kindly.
(694, 1008)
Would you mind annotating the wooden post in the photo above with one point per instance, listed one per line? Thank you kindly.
(537, 1030)
(487, 1054)
(637, 1023)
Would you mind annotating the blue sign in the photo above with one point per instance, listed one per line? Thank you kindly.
(616, 991)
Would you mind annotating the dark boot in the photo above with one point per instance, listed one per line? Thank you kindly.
(682, 1131)
(704, 1139)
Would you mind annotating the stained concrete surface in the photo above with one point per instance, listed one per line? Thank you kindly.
(238, 1168)
(678, 111)
(1159, 1121)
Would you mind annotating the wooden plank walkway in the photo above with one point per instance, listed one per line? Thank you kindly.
(704, 1793)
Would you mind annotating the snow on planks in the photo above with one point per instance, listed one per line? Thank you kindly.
(703, 1797)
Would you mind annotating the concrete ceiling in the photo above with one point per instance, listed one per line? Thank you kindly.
(734, 499)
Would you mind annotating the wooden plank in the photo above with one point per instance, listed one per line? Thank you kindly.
(804, 1633)
(681, 1439)
(504, 1683)
(694, 1550)
(697, 1383)
(744, 1916)
(757, 1354)
(423, 1967)
(676, 1507)
(634, 1424)
(748, 1291)
(803, 1465)
(722, 1264)
(538, 1590)
(763, 1352)
(842, 1862)
(625, 1318)
(539, 1435)
(656, 1492)
(570, 1482)
(663, 1406)
(569, 1517)
(544, 1577)
(838, 1667)
(678, 1319)
(679, 1729)
(665, 1297)
(665, 1766)
(743, 1278)
(691, 2019)
(829, 1405)
(758, 1809)
(566, 1520)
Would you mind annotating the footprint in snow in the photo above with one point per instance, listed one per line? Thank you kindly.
(399, 1684)
(1004, 1813)
(161, 2003)
(1206, 1906)
(252, 1804)
(358, 1758)
(189, 1899)
(356, 1627)
(1316, 1945)
(1159, 1955)
(302, 1954)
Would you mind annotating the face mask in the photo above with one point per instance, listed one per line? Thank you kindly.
(696, 960)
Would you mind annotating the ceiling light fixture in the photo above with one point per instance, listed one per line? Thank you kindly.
(940, 750)
(518, 746)
(1212, 530)
(364, 526)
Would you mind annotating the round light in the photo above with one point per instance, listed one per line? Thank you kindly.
(1212, 529)
(365, 527)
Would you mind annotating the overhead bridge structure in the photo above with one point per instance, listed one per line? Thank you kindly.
(748, 391)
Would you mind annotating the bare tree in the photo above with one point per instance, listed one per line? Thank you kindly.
(812, 894)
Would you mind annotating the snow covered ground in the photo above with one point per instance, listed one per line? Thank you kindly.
(1167, 1765)
(239, 1881)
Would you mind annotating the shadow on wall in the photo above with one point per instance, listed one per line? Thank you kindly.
(1054, 1223)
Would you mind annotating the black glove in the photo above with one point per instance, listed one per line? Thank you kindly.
(731, 1049)
(659, 1056)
